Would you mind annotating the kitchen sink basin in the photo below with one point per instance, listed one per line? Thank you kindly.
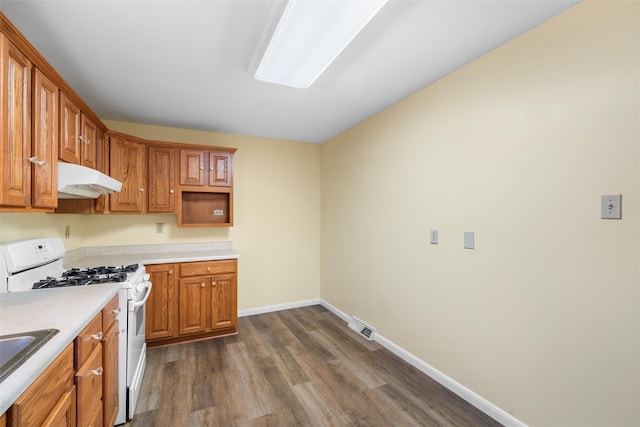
(15, 349)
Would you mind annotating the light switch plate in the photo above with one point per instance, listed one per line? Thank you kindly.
(468, 240)
(434, 237)
(610, 206)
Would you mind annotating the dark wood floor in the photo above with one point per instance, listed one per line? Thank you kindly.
(299, 367)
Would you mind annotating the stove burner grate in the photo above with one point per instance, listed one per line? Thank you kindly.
(87, 276)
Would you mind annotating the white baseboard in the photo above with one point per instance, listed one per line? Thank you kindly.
(277, 307)
(479, 402)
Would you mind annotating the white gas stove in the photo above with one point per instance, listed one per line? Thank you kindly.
(37, 265)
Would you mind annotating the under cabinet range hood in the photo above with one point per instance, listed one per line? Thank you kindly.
(80, 182)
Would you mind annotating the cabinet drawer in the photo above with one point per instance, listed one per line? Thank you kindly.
(89, 389)
(110, 312)
(35, 404)
(88, 340)
(205, 268)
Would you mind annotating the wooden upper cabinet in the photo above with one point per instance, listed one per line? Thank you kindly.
(15, 125)
(88, 142)
(220, 172)
(128, 165)
(192, 167)
(162, 179)
(45, 142)
(102, 159)
(212, 168)
(78, 135)
(69, 130)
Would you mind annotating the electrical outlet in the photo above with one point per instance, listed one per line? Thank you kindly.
(218, 212)
(159, 227)
(67, 231)
(434, 237)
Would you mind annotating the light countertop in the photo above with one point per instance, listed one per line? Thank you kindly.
(67, 309)
(149, 254)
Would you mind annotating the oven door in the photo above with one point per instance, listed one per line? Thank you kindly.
(136, 347)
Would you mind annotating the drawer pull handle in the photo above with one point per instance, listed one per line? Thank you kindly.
(97, 336)
(202, 285)
(116, 311)
(171, 191)
(98, 371)
(208, 268)
(213, 284)
(170, 272)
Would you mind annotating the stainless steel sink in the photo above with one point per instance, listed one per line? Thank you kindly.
(15, 349)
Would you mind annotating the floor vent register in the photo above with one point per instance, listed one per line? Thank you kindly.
(362, 329)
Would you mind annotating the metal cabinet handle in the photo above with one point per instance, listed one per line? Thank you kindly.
(85, 139)
(201, 168)
(98, 371)
(208, 268)
(171, 191)
(37, 162)
(97, 336)
(170, 272)
(142, 190)
(213, 284)
(202, 285)
(116, 311)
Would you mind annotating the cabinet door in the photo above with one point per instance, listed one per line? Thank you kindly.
(15, 132)
(162, 305)
(102, 160)
(64, 413)
(89, 389)
(162, 179)
(89, 142)
(193, 305)
(220, 172)
(69, 130)
(224, 311)
(45, 142)
(110, 375)
(128, 165)
(191, 167)
(34, 405)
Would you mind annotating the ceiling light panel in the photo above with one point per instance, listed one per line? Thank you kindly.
(310, 35)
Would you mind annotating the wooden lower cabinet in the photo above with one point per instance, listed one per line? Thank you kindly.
(64, 413)
(162, 313)
(39, 401)
(79, 388)
(89, 375)
(193, 305)
(110, 375)
(204, 304)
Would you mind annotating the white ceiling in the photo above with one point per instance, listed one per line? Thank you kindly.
(185, 63)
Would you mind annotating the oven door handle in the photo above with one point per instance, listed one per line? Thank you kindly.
(148, 285)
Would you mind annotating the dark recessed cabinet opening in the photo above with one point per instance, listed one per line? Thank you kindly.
(205, 208)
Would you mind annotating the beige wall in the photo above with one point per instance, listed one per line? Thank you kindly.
(277, 217)
(542, 318)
